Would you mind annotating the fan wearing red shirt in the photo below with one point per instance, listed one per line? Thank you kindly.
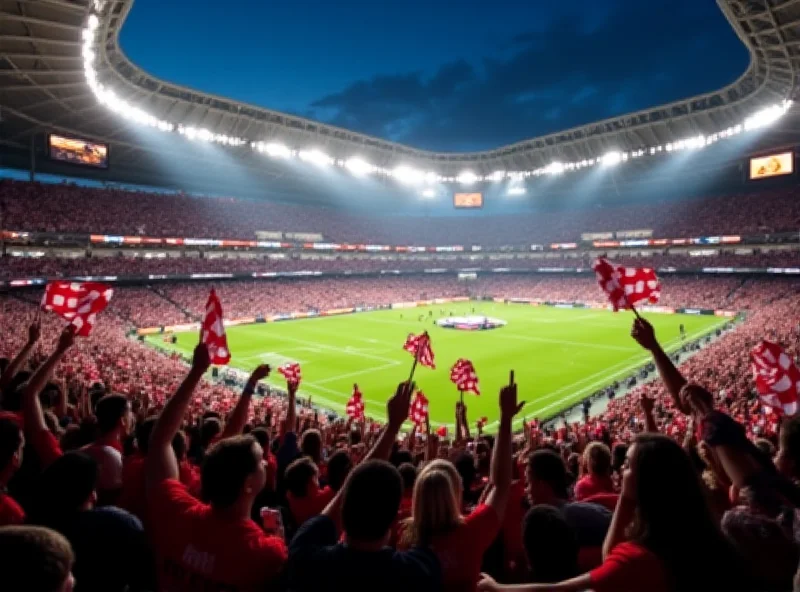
(460, 542)
(675, 543)
(304, 495)
(213, 546)
(597, 460)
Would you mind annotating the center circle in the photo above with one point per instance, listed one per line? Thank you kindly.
(471, 323)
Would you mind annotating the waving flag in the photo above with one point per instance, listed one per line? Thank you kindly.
(627, 286)
(441, 431)
(419, 346)
(355, 406)
(77, 302)
(463, 375)
(419, 409)
(213, 333)
(291, 372)
(777, 377)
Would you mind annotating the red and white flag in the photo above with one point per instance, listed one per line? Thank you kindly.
(77, 302)
(419, 346)
(463, 375)
(419, 409)
(291, 372)
(777, 377)
(355, 406)
(627, 286)
(213, 331)
(441, 431)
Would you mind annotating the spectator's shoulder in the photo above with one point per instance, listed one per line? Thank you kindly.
(420, 566)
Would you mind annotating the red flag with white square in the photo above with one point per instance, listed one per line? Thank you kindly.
(626, 287)
(77, 302)
(355, 406)
(418, 413)
(419, 346)
(463, 375)
(777, 377)
(213, 331)
(291, 372)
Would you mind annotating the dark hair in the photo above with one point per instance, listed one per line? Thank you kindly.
(10, 440)
(339, 466)
(209, 429)
(465, 465)
(226, 466)
(401, 456)
(39, 557)
(790, 442)
(62, 488)
(311, 445)
(109, 410)
(143, 431)
(12, 394)
(262, 436)
(371, 499)
(408, 472)
(673, 520)
(298, 476)
(618, 454)
(550, 544)
(547, 466)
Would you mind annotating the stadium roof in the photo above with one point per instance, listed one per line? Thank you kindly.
(44, 86)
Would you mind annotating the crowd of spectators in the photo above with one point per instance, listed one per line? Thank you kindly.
(126, 469)
(118, 265)
(65, 208)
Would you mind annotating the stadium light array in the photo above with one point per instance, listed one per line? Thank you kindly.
(516, 190)
(429, 193)
(467, 177)
(92, 47)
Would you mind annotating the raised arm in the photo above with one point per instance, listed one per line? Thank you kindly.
(396, 413)
(34, 418)
(645, 336)
(238, 418)
(501, 467)
(161, 463)
(584, 582)
(647, 403)
(34, 333)
(290, 423)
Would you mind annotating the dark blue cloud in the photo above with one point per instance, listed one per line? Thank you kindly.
(435, 74)
(642, 54)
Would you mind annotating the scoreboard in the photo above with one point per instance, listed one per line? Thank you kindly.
(78, 151)
(468, 200)
(772, 165)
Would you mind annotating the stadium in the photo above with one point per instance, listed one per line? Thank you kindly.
(314, 245)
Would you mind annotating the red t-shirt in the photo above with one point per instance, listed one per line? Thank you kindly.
(197, 549)
(11, 513)
(461, 551)
(404, 512)
(46, 447)
(310, 505)
(630, 568)
(132, 497)
(592, 485)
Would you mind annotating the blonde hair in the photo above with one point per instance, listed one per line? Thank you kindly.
(435, 506)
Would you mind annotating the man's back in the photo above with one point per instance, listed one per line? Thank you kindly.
(318, 562)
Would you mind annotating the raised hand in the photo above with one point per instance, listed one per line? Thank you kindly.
(260, 373)
(66, 339)
(647, 403)
(397, 408)
(644, 334)
(698, 399)
(34, 332)
(509, 406)
(201, 359)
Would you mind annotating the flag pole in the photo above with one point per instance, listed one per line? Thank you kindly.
(635, 312)
(414, 366)
(462, 396)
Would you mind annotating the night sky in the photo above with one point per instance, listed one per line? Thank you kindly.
(438, 74)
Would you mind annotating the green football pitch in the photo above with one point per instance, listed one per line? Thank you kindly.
(559, 356)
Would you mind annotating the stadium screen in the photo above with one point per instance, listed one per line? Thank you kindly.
(468, 200)
(77, 151)
(773, 165)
